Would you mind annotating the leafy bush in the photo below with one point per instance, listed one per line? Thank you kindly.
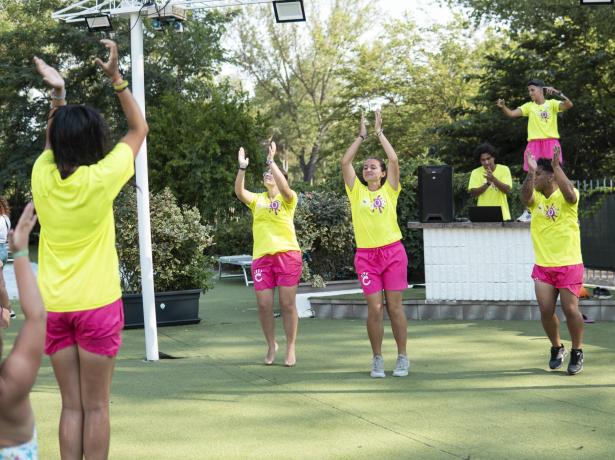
(233, 235)
(178, 243)
(324, 230)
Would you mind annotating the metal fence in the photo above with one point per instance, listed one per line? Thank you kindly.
(597, 219)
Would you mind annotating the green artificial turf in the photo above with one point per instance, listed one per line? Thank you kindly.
(476, 390)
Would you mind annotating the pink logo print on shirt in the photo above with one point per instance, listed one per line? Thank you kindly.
(379, 204)
(274, 206)
(552, 212)
(544, 115)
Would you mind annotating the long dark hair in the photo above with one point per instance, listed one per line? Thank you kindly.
(79, 136)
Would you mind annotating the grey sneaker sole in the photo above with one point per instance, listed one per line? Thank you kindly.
(377, 375)
(400, 373)
(575, 373)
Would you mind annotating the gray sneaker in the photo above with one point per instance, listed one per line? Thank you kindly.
(377, 368)
(401, 368)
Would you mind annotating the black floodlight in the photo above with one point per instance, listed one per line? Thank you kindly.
(596, 2)
(99, 22)
(289, 11)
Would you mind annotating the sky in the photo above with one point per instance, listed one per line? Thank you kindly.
(425, 13)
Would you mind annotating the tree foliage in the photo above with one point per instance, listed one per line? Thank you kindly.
(298, 74)
(572, 48)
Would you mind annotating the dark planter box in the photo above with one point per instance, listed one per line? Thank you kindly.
(172, 308)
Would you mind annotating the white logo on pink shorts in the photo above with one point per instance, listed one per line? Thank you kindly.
(258, 275)
(365, 281)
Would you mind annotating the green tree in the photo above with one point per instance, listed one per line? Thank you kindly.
(297, 71)
(569, 46)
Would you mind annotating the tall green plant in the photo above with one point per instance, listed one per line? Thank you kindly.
(179, 241)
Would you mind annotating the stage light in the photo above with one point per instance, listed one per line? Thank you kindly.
(596, 2)
(100, 22)
(289, 11)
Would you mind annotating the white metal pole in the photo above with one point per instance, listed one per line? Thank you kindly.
(145, 238)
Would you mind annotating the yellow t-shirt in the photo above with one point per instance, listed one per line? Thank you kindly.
(493, 196)
(78, 264)
(374, 214)
(272, 224)
(542, 119)
(555, 230)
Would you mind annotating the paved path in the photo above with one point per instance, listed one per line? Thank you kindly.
(9, 278)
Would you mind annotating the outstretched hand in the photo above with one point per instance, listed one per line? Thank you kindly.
(500, 103)
(557, 153)
(362, 127)
(51, 77)
(531, 161)
(243, 160)
(111, 67)
(19, 237)
(378, 122)
(272, 151)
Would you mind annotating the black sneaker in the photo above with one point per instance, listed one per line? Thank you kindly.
(601, 293)
(557, 357)
(576, 362)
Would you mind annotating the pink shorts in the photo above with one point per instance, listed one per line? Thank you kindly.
(565, 277)
(97, 331)
(279, 269)
(381, 268)
(542, 148)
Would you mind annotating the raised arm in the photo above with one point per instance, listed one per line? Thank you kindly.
(278, 177)
(137, 126)
(527, 189)
(516, 113)
(562, 180)
(565, 104)
(243, 195)
(18, 374)
(347, 169)
(393, 161)
(55, 82)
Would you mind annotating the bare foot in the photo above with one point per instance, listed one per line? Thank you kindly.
(291, 359)
(270, 358)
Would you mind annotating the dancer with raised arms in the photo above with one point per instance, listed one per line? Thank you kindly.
(380, 261)
(74, 183)
(558, 270)
(276, 254)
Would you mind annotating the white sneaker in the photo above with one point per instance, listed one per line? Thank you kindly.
(401, 368)
(377, 368)
(526, 216)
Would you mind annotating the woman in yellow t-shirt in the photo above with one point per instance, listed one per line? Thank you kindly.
(276, 257)
(74, 183)
(381, 262)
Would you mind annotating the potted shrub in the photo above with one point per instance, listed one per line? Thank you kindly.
(181, 269)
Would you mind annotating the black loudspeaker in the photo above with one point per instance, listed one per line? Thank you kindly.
(436, 193)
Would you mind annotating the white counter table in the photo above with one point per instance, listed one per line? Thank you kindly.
(477, 261)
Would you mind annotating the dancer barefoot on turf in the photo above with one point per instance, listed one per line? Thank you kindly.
(276, 255)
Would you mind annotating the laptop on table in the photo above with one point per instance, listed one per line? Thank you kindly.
(485, 214)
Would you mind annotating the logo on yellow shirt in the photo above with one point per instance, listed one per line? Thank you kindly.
(550, 211)
(378, 203)
(275, 206)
